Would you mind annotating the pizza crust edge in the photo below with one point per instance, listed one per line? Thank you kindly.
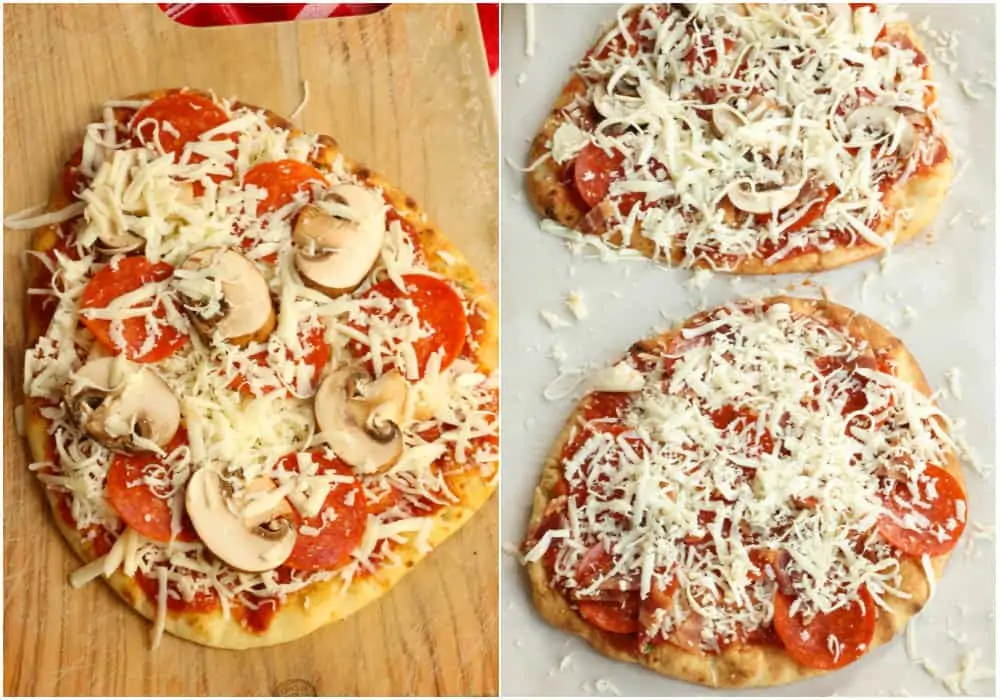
(744, 666)
(326, 603)
(923, 193)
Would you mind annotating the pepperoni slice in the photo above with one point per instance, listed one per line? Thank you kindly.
(904, 42)
(341, 531)
(386, 498)
(109, 284)
(619, 618)
(812, 643)
(737, 420)
(593, 564)
(317, 355)
(659, 598)
(704, 54)
(936, 505)
(189, 116)
(594, 171)
(142, 509)
(282, 180)
(438, 307)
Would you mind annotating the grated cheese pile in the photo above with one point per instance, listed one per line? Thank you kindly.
(787, 80)
(141, 191)
(753, 453)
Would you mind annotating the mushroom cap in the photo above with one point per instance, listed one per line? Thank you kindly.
(339, 238)
(226, 294)
(359, 418)
(760, 107)
(247, 548)
(124, 406)
(112, 242)
(726, 119)
(881, 123)
(746, 197)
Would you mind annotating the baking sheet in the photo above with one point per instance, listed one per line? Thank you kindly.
(938, 298)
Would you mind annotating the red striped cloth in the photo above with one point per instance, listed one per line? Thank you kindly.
(213, 14)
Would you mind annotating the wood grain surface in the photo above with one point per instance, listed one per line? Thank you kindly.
(405, 92)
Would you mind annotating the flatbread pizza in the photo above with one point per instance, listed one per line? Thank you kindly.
(765, 493)
(260, 385)
(746, 138)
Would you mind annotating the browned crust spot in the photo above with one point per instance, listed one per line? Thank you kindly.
(923, 195)
(744, 666)
(326, 602)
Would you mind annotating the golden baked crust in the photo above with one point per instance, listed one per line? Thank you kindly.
(327, 602)
(744, 666)
(922, 194)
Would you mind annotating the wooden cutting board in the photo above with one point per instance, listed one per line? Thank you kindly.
(406, 92)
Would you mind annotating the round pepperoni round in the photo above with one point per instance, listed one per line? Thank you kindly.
(438, 308)
(316, 355)
(281, 180)
(828, 640)
(593, 172)
(178, 118)
(136, 503)
(340, 522)
(935, 512)
(112, 282)
(619, 618)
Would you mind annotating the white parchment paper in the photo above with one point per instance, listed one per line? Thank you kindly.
(937, 297)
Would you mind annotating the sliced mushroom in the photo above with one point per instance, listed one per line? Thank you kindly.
(224, 292)
(622, 100)
(878, 123)
(745, 196)
(114, 241)
(123, 406)
(359, 417)
(337, 240)
(726, 119)
(760, 108)
(220, 525)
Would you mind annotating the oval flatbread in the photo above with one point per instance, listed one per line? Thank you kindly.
(762, 494)
(261, 386)
(746, 138)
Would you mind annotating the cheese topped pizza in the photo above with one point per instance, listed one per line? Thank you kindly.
(260, 385)
(747, 138)
(765, 493)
